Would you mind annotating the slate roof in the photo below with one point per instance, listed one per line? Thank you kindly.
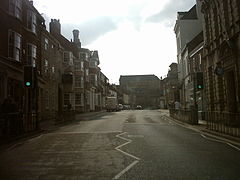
(191, 14)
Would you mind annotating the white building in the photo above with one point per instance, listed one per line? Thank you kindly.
(188, 25)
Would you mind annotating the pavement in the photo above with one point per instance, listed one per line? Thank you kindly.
(46, 127)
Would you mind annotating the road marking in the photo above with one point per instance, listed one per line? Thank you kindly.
(220, 141)
(136, 136)
(130, 155)
(35, 138)
(234, 146)
(156, 123)
(86, 132)
(125, 170)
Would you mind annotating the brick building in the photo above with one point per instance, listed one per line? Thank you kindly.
(20, 45)
(51, 90)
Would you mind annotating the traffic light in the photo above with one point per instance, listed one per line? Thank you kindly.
(28, 76)
(199, 80)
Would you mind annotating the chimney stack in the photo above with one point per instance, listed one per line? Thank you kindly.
(76, 39)
(55, 26)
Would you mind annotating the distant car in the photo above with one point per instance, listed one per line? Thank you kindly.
(126, 107)
(139, 107)
(120, 107)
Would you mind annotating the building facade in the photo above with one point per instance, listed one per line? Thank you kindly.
(144, 90)
(20, 46)
(171, 86)
(221, 54)
(188, 26)
(222, 60)
(62, 76)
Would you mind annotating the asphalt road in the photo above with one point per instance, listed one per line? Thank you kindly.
(131, 145)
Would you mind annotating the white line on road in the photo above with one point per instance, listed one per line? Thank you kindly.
(215, 138)
(130, 155)
(212, 139)
(86, 132)
(233, 146)
(125, 170)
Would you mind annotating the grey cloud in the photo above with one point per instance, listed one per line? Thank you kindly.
(169, 12)
(90, 30)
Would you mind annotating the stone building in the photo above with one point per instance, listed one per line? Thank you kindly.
(222, 56)
(172, 86)
(144, 90)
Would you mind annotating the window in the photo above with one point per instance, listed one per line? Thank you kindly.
(79, 99)
(46, 100)
(93, 79)
(45, 66)
(45, 43)
(53, 69)
(14, 49)
(79, 82)
(88, 97)
(68, 57)
(93, 64)
(15, 8)
(77, 66)
(66, 99)
(82, 65)
(32, 54)
(83, 56)
(87, 75)
(31, 21)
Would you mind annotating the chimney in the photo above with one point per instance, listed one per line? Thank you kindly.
(76, 38)
(55, 26)
(31, 2)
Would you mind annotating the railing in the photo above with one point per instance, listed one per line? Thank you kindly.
(224, 122)
(14, 124)
(184, 115)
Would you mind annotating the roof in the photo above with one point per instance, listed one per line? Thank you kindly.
(138, 77)
(191, 14)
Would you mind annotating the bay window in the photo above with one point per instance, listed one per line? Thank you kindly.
(15, 8)
(14, 46)
(32, 21)
(32, 55)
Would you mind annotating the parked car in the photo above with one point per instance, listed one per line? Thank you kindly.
(139, 107)
(120, 107)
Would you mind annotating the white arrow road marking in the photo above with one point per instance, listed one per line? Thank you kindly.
(130, 155)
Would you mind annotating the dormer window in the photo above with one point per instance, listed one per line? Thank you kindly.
(15, 8)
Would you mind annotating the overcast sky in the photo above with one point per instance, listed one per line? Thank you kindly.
(132, 36)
